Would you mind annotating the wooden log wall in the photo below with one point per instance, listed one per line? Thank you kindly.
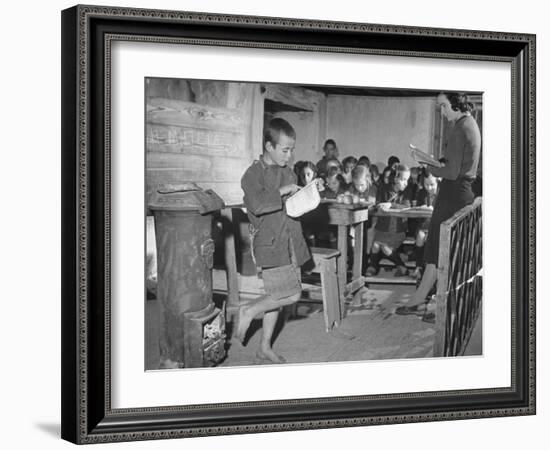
(305, 110)
(207, 132)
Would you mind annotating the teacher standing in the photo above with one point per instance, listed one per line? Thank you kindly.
(458, 171)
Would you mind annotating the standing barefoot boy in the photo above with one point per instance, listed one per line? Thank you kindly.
(278, 246)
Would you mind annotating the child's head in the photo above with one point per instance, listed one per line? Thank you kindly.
(374, 172)
(360, 176)
(330, 149)
(279, 141)
(334, 180)
(393, 162)
(349, 163)
(333, 162)
(401, 177)
(307, 173)
(387, 175)
(298, 167)
(364, 161)
(429, 182)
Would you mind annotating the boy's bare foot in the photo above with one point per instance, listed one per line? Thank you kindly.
(243, 323)
(270, 355)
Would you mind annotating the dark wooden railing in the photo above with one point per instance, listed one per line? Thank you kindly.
(459, 284)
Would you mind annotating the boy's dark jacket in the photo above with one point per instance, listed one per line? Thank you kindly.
(267, 215)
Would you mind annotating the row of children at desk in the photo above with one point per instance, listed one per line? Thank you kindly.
(398, 187)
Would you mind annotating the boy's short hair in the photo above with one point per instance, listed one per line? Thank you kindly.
(329, 142)
(275, 128)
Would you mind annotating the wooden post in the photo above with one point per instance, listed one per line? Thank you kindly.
(342, 265)
(230, 264)
(358, 259)
(441, 293)
(325, 265)
(358, 250)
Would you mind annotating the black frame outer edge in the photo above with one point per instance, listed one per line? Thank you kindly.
(98, 422)
(523, 116)
(69, 170)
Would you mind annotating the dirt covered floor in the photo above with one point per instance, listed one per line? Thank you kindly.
(371, 331)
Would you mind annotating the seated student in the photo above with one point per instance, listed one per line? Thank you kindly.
(375, 175)
(410, 192)
(333, 162)
(385, 178)
(364, 161)
(334, 184)
(393, 162)
(278, 247)
(348, 164)
(389, 232)
(306, 172)
(331, 152)
(297, 168)
(414, 183)
(425, 198)
(362, 185)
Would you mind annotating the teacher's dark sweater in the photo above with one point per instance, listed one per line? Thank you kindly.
(461, 151)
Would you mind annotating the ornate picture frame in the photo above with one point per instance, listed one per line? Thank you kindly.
(88, 33)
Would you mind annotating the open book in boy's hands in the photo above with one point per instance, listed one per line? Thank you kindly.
(423, 157)
(304, 200)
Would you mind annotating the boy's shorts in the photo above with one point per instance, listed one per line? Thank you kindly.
(283, 281)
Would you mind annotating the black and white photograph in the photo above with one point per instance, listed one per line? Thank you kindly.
(296, 224)
(292, 223)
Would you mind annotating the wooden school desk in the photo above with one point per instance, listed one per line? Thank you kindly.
(347, 216)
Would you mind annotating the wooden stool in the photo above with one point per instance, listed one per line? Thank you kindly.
(325, 265)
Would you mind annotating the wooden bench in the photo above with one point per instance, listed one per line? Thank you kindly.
(326, 265)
